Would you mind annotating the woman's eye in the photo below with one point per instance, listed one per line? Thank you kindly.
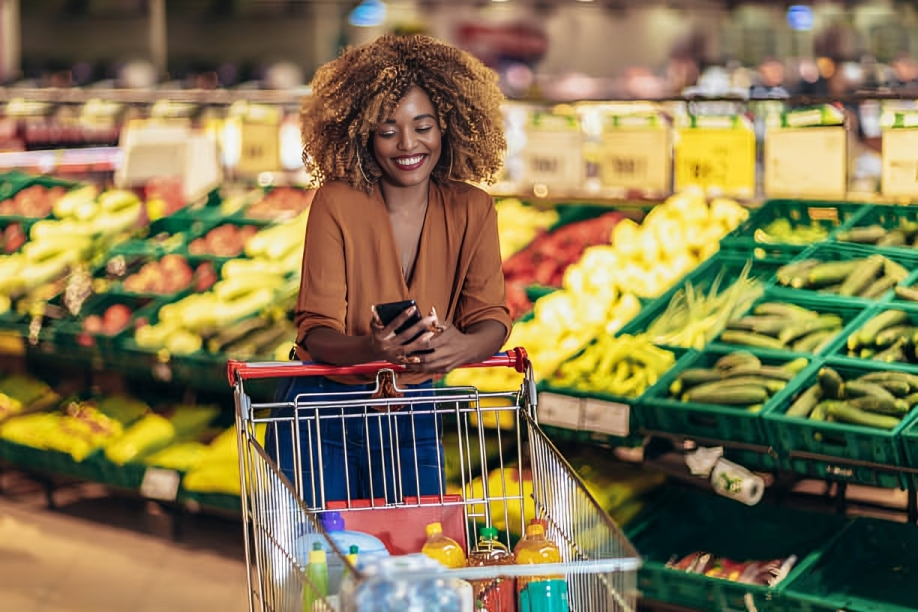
(386, 134)
(423, 130)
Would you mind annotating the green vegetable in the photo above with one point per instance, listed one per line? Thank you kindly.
(862, 235)
(868, 333)
(798, 330)
(860, 388)
(832, 273)
(737, 359)
(785, 311)
(804, 404)
(727, 395)
(862, 276)
(849, 414)
(833, 386)
(878, 287)
(880, 405)
(732, 336)
(909, 294)
(810, 342)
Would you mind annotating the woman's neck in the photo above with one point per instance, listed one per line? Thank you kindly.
(404, 199)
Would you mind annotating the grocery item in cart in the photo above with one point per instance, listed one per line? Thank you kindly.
(497, 594)
(333, 524)
(315, 589)
(535, 548)
(389, 585)
(545, 596)
(443, 548)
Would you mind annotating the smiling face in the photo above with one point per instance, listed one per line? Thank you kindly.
(407, 145)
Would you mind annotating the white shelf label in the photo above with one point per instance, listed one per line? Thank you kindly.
(639, 158)
(900, 163)
(607, 417)
(560, 410)
(807, 162)
(554, 159)
(160, 484)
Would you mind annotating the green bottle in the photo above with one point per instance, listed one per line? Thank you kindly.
(316, 587)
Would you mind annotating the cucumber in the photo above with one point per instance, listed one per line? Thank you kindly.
(879, 377)
(728, 395)
(737, 359)
(872, 328)
(895, 270)
(784, 310)
(820, 411)
(809, 342)
(862, 235)
(798, 330)
(862, 276)
(769, 326)
(890, 335)
(732, 336)
(898, 388)
(767, 372)
(833, 387)
(790, 273)
(770, 385)
(847, 413)
(859, 388)
(895, 353)
(909, 294)
(878, 287)
(796, 366)
(892, 239)
(696, 376)
(255, 344)
(803, 406)
(877, 405)
(911, 400)
(832, 273)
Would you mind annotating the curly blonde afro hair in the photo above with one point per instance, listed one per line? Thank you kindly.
(352, 95)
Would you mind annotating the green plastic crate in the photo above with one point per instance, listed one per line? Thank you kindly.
(731, 264)
(710, 422)
(598, 399)
(829, 215)
(164, 236)
(908, 439)
(911, 281)
(48, 461)
(834, 443)
(185, 249)
(848, 311)
(70, 334)
(841, 348)
(694, 521)
(887, 216)
(871, 567)
(109, 278)
(836, 252)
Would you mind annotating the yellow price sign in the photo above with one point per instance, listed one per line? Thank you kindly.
(806, 162)
(259, 148)
(722, 159)
(900, 163)
(638, 158)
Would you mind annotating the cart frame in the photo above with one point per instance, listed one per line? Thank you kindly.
(598, 562)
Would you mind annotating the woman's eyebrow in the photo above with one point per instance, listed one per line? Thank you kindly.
(418, 118)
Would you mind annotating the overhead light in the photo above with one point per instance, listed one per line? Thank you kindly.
(368, 14)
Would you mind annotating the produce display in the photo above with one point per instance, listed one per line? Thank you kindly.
(867, 277)
(114, 320)
(765, 573)
(694, 317)
(879, 399)
(519, 224)
(34, 202)
(170, 275)
(781, 231)
(889, 336)
(227, 240)
(783, 326)
(624, 366)
(905, 235)
(12, 238)
(738, 379)
(20, 394)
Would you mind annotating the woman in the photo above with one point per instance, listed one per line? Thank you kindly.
(393, 130)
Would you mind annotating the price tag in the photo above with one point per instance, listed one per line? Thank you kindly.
(636, 158)
(12, 344)
(160, 484)
(560, 410)
(900, 163)
(806, 162)
(553, 159)
(259, 148)
(714, 158)
(607, 417)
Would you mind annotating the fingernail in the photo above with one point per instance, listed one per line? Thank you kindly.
(433, 311)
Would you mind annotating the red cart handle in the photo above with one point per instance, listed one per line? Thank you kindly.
(239, 370)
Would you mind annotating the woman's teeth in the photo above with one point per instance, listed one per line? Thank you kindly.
(409, 161)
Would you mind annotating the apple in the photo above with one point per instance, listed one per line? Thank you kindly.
(116, 318)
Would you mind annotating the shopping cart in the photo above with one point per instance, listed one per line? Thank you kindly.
(492, 440)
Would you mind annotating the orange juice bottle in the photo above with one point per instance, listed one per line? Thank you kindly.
(442, 548)
(536, 548)
(497, 594)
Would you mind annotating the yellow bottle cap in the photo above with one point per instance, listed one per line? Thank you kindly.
(434, 529)
(535, 530)
(317, 554)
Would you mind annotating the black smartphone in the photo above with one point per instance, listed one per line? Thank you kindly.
(389, 311)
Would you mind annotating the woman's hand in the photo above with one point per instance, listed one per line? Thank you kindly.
(387, 345)
(450, 349)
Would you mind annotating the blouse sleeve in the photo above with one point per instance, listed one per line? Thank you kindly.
(483, 296)
(322, 300)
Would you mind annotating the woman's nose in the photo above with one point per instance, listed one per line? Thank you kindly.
(406, 140)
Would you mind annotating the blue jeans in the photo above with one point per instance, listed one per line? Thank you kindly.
(361, 453)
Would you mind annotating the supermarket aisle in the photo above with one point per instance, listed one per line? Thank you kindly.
(105, 554)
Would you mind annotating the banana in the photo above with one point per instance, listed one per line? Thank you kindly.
(68, 204)
(38, 251)
(115, 200)
(235, 288)
(119, 221)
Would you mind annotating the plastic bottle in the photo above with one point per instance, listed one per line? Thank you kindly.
(535, 548)
(333, 524)
(316, 587)
(443, 548)
(535, 521)
(498, 594)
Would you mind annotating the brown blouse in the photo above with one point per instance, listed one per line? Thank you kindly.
(351, 262)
